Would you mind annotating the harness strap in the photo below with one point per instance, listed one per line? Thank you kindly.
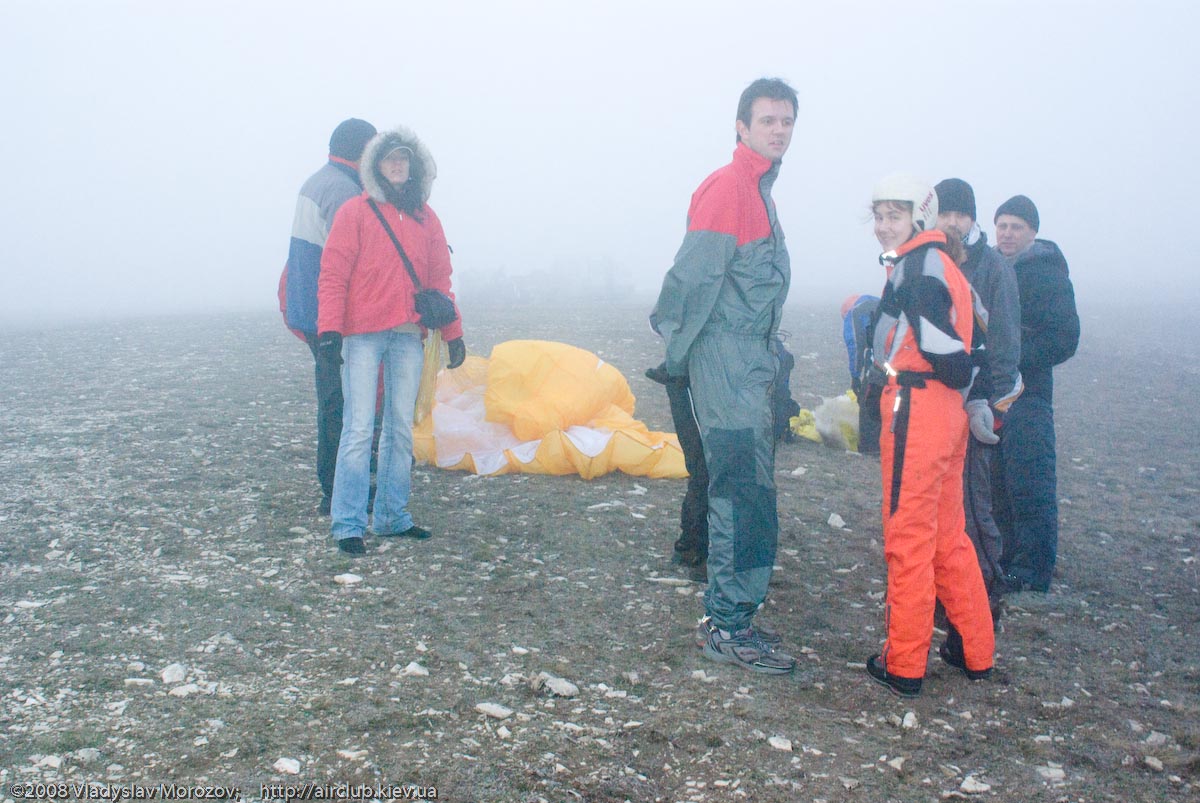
(899, 443)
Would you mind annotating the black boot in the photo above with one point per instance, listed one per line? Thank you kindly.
(901, 687)
(951, 653)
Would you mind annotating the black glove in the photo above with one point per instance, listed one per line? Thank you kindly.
(659, 374)
(329, 347)
(458, 352)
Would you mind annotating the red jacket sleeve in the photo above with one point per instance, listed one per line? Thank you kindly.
(337, 262)
(440, 270)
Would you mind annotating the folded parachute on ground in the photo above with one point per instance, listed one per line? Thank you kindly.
(834, 423)
(540, 407)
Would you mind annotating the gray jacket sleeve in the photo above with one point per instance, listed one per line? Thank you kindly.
(1004, 331)
(690, 291)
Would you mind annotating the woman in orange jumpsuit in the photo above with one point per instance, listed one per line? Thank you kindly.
(922, 341)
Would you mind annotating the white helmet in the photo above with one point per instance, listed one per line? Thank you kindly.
(903, 187)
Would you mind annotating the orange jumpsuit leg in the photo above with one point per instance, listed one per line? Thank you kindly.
(957, 575)
(925, 442)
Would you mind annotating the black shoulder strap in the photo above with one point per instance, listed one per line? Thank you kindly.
(396, 242)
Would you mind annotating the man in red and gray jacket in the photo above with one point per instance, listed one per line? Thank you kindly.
(718, 310)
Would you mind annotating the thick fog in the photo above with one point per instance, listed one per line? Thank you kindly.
(155, 149)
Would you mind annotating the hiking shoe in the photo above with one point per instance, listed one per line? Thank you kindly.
(352, 545)
(762, 631)
(419, 533)
(743, 648)
(767, 634)
(954, 657)
(901, 687)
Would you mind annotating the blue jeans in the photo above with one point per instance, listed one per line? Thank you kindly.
(402, 356)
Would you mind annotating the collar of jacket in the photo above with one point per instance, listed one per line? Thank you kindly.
(747, 159)
(924, 238)
(347, 167)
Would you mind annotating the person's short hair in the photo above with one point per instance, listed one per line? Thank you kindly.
(770, 88)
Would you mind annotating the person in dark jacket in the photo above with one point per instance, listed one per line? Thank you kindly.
(996, 285)
(1026, 492)
(718, 310)
(321, 196)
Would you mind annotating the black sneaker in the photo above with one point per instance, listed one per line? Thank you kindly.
(687, 557)
(352, 545)
(1016, 585)
(901, 687)
(954, 657)
(419, 533)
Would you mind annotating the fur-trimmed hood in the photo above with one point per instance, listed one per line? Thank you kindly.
(382, 143)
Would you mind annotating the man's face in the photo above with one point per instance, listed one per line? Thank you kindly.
(770, 129)
(956, 223)
(1013, 235)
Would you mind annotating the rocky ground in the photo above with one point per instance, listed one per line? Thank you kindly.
(172, 610)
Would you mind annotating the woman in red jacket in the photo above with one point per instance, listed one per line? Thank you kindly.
(366, 314)
(922, 341)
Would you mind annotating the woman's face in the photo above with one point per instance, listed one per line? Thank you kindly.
(395, 166)
(893, 225)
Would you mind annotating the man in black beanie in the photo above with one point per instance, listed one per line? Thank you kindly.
(1025, 488)
(320, 198)
(996, 286)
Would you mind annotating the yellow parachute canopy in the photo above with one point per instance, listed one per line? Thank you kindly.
(540, 407)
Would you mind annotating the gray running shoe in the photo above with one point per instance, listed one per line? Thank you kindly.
(745, 649)
(764, 632)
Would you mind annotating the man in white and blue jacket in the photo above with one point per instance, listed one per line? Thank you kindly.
(320, 198)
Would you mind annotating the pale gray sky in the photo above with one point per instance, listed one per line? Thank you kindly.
(155, 148)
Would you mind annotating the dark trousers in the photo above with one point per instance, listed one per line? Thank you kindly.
(977, 503)
(869, 418)
(329, 417)
(1025, 492)
(693, 518)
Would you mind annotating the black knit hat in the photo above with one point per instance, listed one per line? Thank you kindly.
(955, 195)
(1022, 207)
(349, 139)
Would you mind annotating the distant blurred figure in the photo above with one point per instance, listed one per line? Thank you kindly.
(320, 198)
(996, 285)
(1026, 486)
(386, 246)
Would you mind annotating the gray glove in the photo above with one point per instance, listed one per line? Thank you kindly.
(983, 423)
